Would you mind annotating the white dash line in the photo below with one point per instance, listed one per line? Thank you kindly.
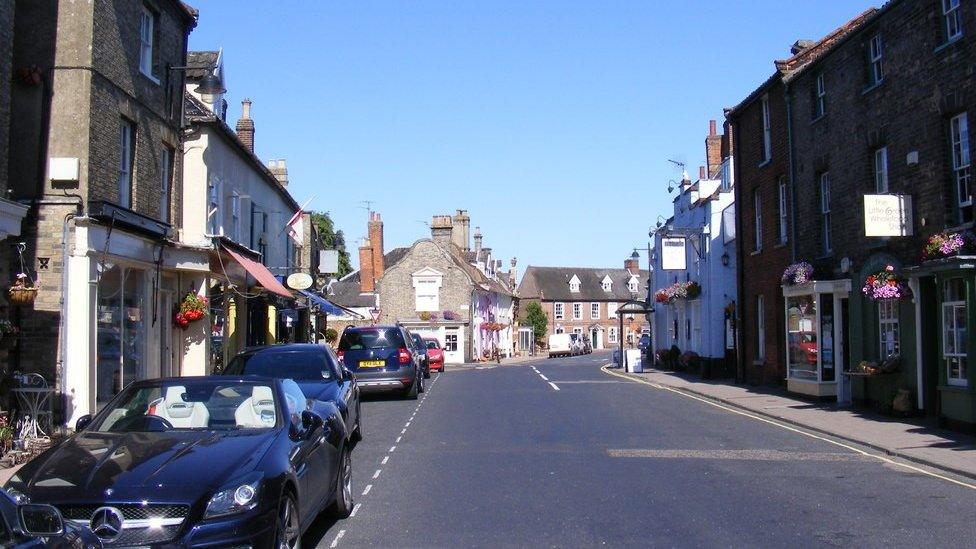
(403, 432)
(392, 449)
(355, 509)
(385, 459)
(398, 440)
(368, 488)
(335, 542)
(544, 377)
(554, 386)
(377, 473)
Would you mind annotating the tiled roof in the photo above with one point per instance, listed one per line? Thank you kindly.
(200, 63)
(552, 284)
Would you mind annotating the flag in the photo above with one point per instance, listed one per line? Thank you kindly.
(296, 228)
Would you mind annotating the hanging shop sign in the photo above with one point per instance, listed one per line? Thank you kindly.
(299, 281)
(673, 254)
(887, 215)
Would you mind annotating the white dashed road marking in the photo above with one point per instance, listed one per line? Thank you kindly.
(368, 488)
(385, 459)
(335, 542)
(544, 377)
(392, 449)
(377, 473)
(355, 509)
(554, 386)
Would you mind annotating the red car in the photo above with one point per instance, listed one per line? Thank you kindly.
(435, 355)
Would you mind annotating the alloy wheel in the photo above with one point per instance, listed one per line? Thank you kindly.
(289, 532)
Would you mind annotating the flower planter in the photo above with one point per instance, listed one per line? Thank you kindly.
(22, 295)
(886, 286)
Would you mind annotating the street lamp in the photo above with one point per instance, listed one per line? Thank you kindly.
(210, 84)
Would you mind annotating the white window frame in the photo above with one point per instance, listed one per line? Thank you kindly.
(958, 350)
(826, 234)
(760, 328)
(767, 130)
(783, 211)
(821, 95)
(959, 136)
(127, 141)
(612, 310)
(574, 287)
(612, 334)
(607, 286)
(577, 311)
(215, 222)
(876, 59)
(952, 16)
(881, 170)
(889, 330)
(558, 311)
(559, 330)
(632, 286)
(235, 216)
(147, 24)
(165, 182)
(594, 311)
(757, 217)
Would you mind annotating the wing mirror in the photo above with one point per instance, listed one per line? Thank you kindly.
(40, 520)
(311, 422)
(83, 422)
(347, 374)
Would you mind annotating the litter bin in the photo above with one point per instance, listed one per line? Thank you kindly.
(633, 361)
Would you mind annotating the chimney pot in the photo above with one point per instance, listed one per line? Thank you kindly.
(701, 172)
(245, 126)
(711, 127)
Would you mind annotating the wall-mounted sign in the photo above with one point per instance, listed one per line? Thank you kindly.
(328, 261)
(673, 254)
(887, 215)
(299, 281)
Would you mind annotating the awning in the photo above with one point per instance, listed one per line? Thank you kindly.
(260, 273)
(327, 306)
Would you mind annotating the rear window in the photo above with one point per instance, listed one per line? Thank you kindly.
(432, 345)
(300, 365)
(377, 338)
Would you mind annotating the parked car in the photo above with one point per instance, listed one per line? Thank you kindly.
(561, 345)
(435, 355)
(317, 371)
(383, 359)
(198, 461)
(29, 526)
(421, 347)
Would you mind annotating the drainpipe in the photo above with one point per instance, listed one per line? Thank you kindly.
(740, 254)
(791, 185)
(63, 321)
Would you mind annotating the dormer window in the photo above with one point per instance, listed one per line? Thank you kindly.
(607, 284)
(632, 285)
(574, 284)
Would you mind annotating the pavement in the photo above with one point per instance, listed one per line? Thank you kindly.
(558, 453)
(905, 438)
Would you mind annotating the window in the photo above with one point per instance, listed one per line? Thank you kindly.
(767, 138)
(612, 334)
(612, 310)
(165, 182)
(578, 331)
(820, 99)
(127, 138)
(558, 311)
(630, 336)
(632, 285)
(235, 216)
(594, 311)
(577, 311)
(757, 208)
(881, 170)
(147, 28)
(953, 19)
(451, 341)
(607, 284)
(574, 284)
(760, 329)
(888, 324)
(875, 54)
(959, 137)
(782, 210)
(954, 333)
(121, 331)
(559, 330)
(215, 224)
(826, 235)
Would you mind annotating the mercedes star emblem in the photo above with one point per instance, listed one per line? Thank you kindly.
(106, 523)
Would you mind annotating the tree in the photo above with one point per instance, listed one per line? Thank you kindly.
(332, 239)
(538, 319)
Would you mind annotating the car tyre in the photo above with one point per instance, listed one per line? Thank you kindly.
(426, 371)
(411, 392)
(357, 431)
(288, 530)
(422, 387)
(344, 502)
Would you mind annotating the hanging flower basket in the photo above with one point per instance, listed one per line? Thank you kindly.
(678, 290)
(942, 245)
(451, 315)
(493, 326)
(798, 273)
(23, 291)
(886, 285)
(192, 308)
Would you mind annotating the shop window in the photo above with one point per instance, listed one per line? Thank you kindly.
(451, 341)
(121, 331)
(888, 328)
(802, 342)
(954, 331)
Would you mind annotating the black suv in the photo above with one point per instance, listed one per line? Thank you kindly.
(383, 359)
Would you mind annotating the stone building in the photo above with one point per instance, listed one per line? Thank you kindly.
(96, 113)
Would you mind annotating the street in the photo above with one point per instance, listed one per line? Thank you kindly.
(556, 452)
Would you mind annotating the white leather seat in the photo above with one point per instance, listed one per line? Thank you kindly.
(182, 414)
(258, 410)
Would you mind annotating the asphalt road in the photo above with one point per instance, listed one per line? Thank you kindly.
(557, 453)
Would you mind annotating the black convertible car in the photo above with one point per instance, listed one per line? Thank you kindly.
(206, 461)
(315, 368)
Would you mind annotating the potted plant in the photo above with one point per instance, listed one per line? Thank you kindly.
(192, 308)
(886, 285)
(800, 272)
(6, 433)
(692, 290)
(23, 291)
(941, 245)
(331, 335)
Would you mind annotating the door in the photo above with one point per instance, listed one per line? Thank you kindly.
(312, 459)
(931, 359)
(844, 389)
(454, 346)
(595, 339)
(165, 333)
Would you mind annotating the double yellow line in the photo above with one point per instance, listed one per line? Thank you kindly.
(883, 459)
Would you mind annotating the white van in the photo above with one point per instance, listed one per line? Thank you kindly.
(560, 345)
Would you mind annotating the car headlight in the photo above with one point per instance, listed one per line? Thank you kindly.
(235, 497)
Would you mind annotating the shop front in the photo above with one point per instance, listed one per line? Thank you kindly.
(450, 335)
(815, 331)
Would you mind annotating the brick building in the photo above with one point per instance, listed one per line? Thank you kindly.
(97, 120)
(585, 300)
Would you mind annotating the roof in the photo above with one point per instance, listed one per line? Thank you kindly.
(552, 284)
(200, 62)
(347, 293)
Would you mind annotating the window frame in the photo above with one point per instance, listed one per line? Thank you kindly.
(881, 181)
(952, 17)
(757, 220)
(235, 216)
(767, 137)
(826, 232)
(215, 222)
(166, 182)
(577, 311)
(612, 334)
(957, 303)
(127, 161)
(889, 328)
(961, 159)
(612, 310)
(760, 327)
(820, 89)
(876, 59)
(783, 212)
(558, 311)
(594, 311)
(147, 38)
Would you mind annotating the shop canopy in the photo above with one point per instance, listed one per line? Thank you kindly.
(327, 306)
(260, 273)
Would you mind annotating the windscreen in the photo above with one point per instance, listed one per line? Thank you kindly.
(297, 365)
(373, 338)
(432, 345)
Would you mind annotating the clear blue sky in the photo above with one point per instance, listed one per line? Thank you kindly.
(550, 122)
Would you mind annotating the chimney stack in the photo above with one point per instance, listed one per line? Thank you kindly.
(477, 242)
(245, 126)
(461, 229)
(441, 231)
(375, 230)
(367, 281)
(512, 273)
(632, 263)
(713, 151)
(701, 172)
(279, 170)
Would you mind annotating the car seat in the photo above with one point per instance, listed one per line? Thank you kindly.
(258, 410)
(182, 414)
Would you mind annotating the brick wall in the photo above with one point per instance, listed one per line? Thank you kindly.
(397, 298)
(6, 66)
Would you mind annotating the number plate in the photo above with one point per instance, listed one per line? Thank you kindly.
(372, 363)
